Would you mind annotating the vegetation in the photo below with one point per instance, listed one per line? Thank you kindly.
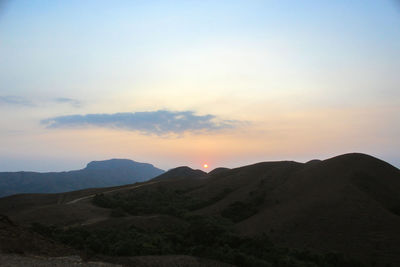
(203, 236)
(239, 210)
(396, 210)
(156, 201)
(208, 237)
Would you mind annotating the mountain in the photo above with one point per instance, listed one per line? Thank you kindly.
(181, 172)
(343, 211)
(96, 174)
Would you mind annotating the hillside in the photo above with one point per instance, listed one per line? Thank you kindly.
(181, 172)
(349, 203)
(320, 213)
(106, 173)
(22, 247)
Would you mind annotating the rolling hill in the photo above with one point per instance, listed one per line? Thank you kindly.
(96, 174)
(319, 213)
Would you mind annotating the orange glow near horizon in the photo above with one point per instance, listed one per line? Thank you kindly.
(205, 166)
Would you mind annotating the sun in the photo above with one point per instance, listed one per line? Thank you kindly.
(205, 165)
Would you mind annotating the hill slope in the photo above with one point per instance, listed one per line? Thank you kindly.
(348, 204)
(96, 174)
(181, 172)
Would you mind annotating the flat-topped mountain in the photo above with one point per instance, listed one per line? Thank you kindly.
(125, 164)
(105, 173)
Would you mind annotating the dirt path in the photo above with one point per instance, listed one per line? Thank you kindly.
(12, 260)
(106, 192)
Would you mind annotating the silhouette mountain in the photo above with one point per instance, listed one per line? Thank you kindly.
(105, 173)
(181, 172)
(218, 170)
(349, 204)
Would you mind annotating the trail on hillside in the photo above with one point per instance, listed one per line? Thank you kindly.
(110, 191)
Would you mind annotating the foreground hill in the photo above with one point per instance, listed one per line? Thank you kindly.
(350, 204)
(317, 211)
(17, 240)
(96, 174)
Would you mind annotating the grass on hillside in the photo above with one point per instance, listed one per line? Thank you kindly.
(203, 236)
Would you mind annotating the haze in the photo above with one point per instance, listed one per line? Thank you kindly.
(175, 83)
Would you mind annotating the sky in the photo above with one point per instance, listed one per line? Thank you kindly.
(174, 83)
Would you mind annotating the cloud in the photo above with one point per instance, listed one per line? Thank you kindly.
(15, 100)
(158, 122)
(71, 101)
(12, 100)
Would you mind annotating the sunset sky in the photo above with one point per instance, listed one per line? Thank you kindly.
(175, 83)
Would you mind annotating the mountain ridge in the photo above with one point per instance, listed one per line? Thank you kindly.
(115, 163)
(104, 173)
(179, 172)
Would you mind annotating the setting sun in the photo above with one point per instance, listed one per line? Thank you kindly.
(205, 166)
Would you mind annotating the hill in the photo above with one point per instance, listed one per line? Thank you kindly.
(181, 172)
(343, 211)
(349, 204)
(96, 174)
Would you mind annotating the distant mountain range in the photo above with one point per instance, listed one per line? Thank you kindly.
(105, 173)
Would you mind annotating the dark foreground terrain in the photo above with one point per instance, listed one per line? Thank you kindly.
(344, 211)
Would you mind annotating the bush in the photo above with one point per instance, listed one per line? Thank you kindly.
(117, 212)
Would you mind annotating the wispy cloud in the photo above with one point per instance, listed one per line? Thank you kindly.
(15, 100)
(70, 101)
(12, 100)
(158, 122)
